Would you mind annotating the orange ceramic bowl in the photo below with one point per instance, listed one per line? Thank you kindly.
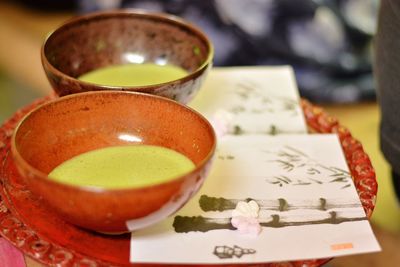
(61, 129)
(96, 40)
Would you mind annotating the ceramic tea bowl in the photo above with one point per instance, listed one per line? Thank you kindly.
(101, 39)
(68, 126)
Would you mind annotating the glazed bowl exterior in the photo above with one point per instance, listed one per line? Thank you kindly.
(89, 42)
(61, 129)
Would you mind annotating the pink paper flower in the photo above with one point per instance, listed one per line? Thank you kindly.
(245, 218)
(221, 122)
(246, 225)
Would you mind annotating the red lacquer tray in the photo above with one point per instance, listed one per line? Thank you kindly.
(40, 234)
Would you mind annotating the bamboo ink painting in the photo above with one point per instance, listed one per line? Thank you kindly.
(299, 185)
(251, 95)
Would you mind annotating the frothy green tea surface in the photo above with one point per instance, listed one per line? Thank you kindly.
(134, 74)
(123, 167)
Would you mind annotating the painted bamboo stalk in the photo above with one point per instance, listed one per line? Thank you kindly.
(185, 224)
(208, 203)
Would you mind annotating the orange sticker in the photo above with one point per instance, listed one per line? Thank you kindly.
(342, 246)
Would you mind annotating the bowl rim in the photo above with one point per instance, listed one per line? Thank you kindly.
(131, 12)
(19, 160)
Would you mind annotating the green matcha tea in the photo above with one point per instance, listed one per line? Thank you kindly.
(134, 74)
(123, 167)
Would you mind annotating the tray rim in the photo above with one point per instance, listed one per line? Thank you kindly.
(317, 120)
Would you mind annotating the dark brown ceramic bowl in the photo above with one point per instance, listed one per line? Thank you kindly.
(61, 129)
(97, 40)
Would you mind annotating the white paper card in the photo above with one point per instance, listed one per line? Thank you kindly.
(259, 99)
(309, 207)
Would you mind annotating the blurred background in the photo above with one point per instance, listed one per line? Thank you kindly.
(328, 43)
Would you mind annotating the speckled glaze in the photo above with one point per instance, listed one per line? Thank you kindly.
(45, 237)
(108, 38)
(68, 126)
